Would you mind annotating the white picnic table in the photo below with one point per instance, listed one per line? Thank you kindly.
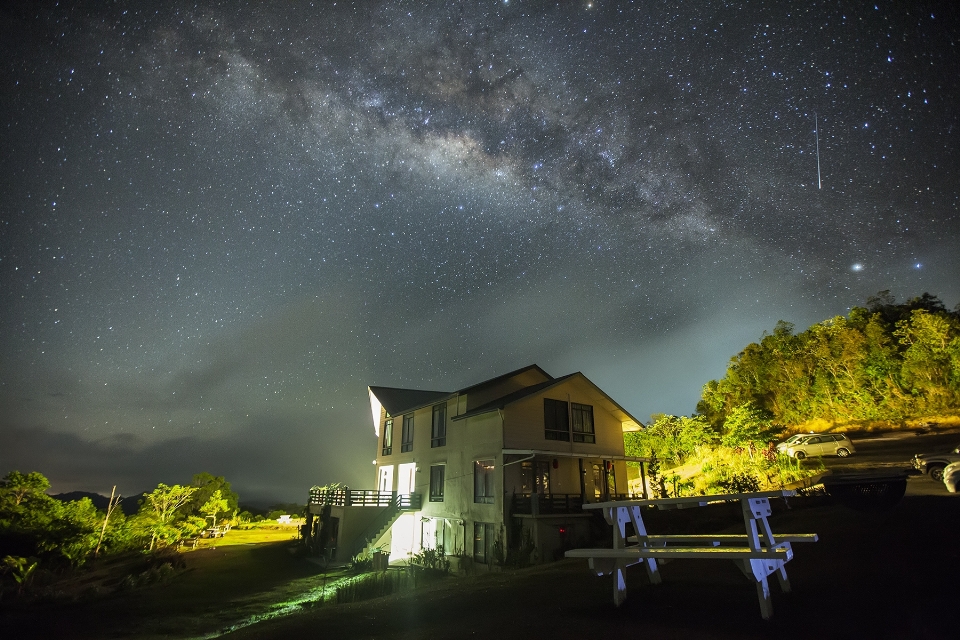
(758, 552)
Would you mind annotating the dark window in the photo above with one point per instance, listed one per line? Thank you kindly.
(483, 538)
(388, 437)
(483, 481)
(438, 435)
(437, 472)
(406, 438)
(582, 422)
(555, 423)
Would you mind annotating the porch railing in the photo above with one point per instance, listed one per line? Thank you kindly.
(547, 503)
(364, 498)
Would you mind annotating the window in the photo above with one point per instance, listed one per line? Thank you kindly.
(483, 483)
(483, 537)
(555, 423)
(406, 438)
(437, 472)
(388, 437)
(438, 436)
(535, 477)
(582, 422)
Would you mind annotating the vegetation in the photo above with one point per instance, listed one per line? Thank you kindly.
(42, 537)
(736, 457)
(883, 362)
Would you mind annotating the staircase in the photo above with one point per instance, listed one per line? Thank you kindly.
(384, 520)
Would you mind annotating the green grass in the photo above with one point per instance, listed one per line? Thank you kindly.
(250, 536)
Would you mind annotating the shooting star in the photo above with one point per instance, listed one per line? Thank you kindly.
(816, 129)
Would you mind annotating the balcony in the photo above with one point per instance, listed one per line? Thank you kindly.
(365, 498)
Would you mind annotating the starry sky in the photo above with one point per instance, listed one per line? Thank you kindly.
(220, 222)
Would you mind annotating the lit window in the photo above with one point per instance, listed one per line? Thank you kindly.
(483, 482)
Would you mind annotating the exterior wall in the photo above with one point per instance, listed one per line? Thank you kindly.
(477, 438)
(353, 521)
(524, 427)
(520, 425)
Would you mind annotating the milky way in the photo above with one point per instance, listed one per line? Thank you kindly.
(221, 222)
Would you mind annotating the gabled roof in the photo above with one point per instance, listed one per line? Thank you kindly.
(503, 401)
(399, 401)
(492, 381)
(396, 401)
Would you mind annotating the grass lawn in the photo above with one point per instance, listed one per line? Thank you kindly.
(250, 536)
(227, 579)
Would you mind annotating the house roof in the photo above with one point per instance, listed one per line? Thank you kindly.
(396, 401)
(491, 381)
(503, 401)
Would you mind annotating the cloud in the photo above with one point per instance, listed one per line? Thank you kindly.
(273, 457)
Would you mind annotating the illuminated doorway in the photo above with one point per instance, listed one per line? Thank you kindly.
(385, 481)
(407, 477)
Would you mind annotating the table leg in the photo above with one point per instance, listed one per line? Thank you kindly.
(763, 595)
(650, 564)
(619, 582)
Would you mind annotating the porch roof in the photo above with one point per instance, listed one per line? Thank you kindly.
(570, 454)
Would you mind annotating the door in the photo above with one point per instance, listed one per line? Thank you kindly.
(812, 446)
(406, 477)
(385, 481)
(828, 446)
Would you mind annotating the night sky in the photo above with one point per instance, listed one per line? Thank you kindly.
(221, 221)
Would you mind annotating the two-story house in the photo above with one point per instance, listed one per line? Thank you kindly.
(507, 459)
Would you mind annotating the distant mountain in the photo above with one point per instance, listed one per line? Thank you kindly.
(99, 501)
(128, 504)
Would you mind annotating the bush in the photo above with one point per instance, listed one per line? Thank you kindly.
(433, 559)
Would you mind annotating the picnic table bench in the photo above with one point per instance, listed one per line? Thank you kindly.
(757, 552)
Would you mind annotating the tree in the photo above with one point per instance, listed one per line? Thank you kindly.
(206, 484)
(214, 506)
(747, 425)
(19, 486)
(164, 502)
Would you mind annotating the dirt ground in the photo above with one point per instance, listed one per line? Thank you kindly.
(871, 575)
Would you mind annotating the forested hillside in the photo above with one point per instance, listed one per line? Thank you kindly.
(885, 362)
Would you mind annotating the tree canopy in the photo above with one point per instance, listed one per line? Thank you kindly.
(886, 361)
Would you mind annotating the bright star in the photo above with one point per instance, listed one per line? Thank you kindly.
(857, 267)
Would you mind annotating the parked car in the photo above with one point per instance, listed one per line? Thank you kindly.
(933, 464)
(951, 476)
(797, 437)
(822, 444)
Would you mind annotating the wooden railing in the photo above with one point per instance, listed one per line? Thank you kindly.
(365, 498)
(544, 503)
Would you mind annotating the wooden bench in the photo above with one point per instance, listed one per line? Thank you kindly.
(758, 553)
